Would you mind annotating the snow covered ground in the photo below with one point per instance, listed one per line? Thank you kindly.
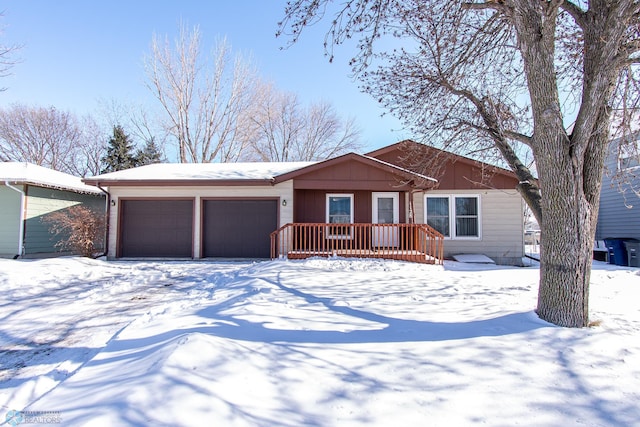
(310, 343)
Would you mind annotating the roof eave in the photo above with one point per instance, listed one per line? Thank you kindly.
(15, 181)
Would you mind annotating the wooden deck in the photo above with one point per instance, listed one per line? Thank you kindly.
(406, 242)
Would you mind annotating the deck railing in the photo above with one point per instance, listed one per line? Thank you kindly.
(407, 242)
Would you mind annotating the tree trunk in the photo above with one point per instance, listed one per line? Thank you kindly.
(568, 230)
(567, 226)
(570, 166)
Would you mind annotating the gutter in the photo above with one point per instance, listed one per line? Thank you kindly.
(107, 222)
(21, 220)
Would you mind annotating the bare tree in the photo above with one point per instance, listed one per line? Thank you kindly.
(145, 129)
(44, 136)
(88, 153)
(51, 138)
(507, 75)
(280, 129)
(326, 134)
(79, 229)
(7, 60)
(202, 101)
(274, 124)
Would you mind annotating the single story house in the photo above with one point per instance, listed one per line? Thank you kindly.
(28, 193)
(352, 205)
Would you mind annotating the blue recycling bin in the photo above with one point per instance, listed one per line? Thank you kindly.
(617, 251)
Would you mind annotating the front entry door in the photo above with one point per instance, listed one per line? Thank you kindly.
(385, 211)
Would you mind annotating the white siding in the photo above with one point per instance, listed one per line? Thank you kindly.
(502, 225)
(283, 191)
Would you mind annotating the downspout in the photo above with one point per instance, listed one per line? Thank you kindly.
(107, 222)
(21, 221)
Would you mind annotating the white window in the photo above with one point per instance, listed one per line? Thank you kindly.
(339, 211)
(455, 216)
(437, 214)
(467, 216)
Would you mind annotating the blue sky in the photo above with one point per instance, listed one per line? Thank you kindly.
(77, 54)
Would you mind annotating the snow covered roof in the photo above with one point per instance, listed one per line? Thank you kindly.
(28, 173)
(251, 173)
(206, 172)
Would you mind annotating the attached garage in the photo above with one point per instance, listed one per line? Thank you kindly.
(229, 210)
(238, 228)
(156, 228)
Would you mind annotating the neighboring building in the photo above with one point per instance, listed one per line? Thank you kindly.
(231, 210)
(27, 194)
(619, 212)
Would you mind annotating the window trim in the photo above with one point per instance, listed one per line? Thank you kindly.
(452, 214)
(438, 196)
(328, 233)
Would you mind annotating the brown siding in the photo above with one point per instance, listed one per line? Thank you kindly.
(350, 176)
(311, 205)
(362, 205)
(459, 176)
(455, 172)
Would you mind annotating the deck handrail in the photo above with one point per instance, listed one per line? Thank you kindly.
(409, 242)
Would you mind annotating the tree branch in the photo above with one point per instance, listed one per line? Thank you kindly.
(575, 11)
(528, 185)
(490, 4)
(628, 50)
(517, 136)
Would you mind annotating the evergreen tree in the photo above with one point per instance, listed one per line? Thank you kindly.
(119, 152)
(149, 154)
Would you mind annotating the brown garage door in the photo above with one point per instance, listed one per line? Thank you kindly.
(238, 228)
(156, 228)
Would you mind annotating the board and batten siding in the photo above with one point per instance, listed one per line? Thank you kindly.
(43, 201)
(10, 221)
(502, 227)
(282, 191)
